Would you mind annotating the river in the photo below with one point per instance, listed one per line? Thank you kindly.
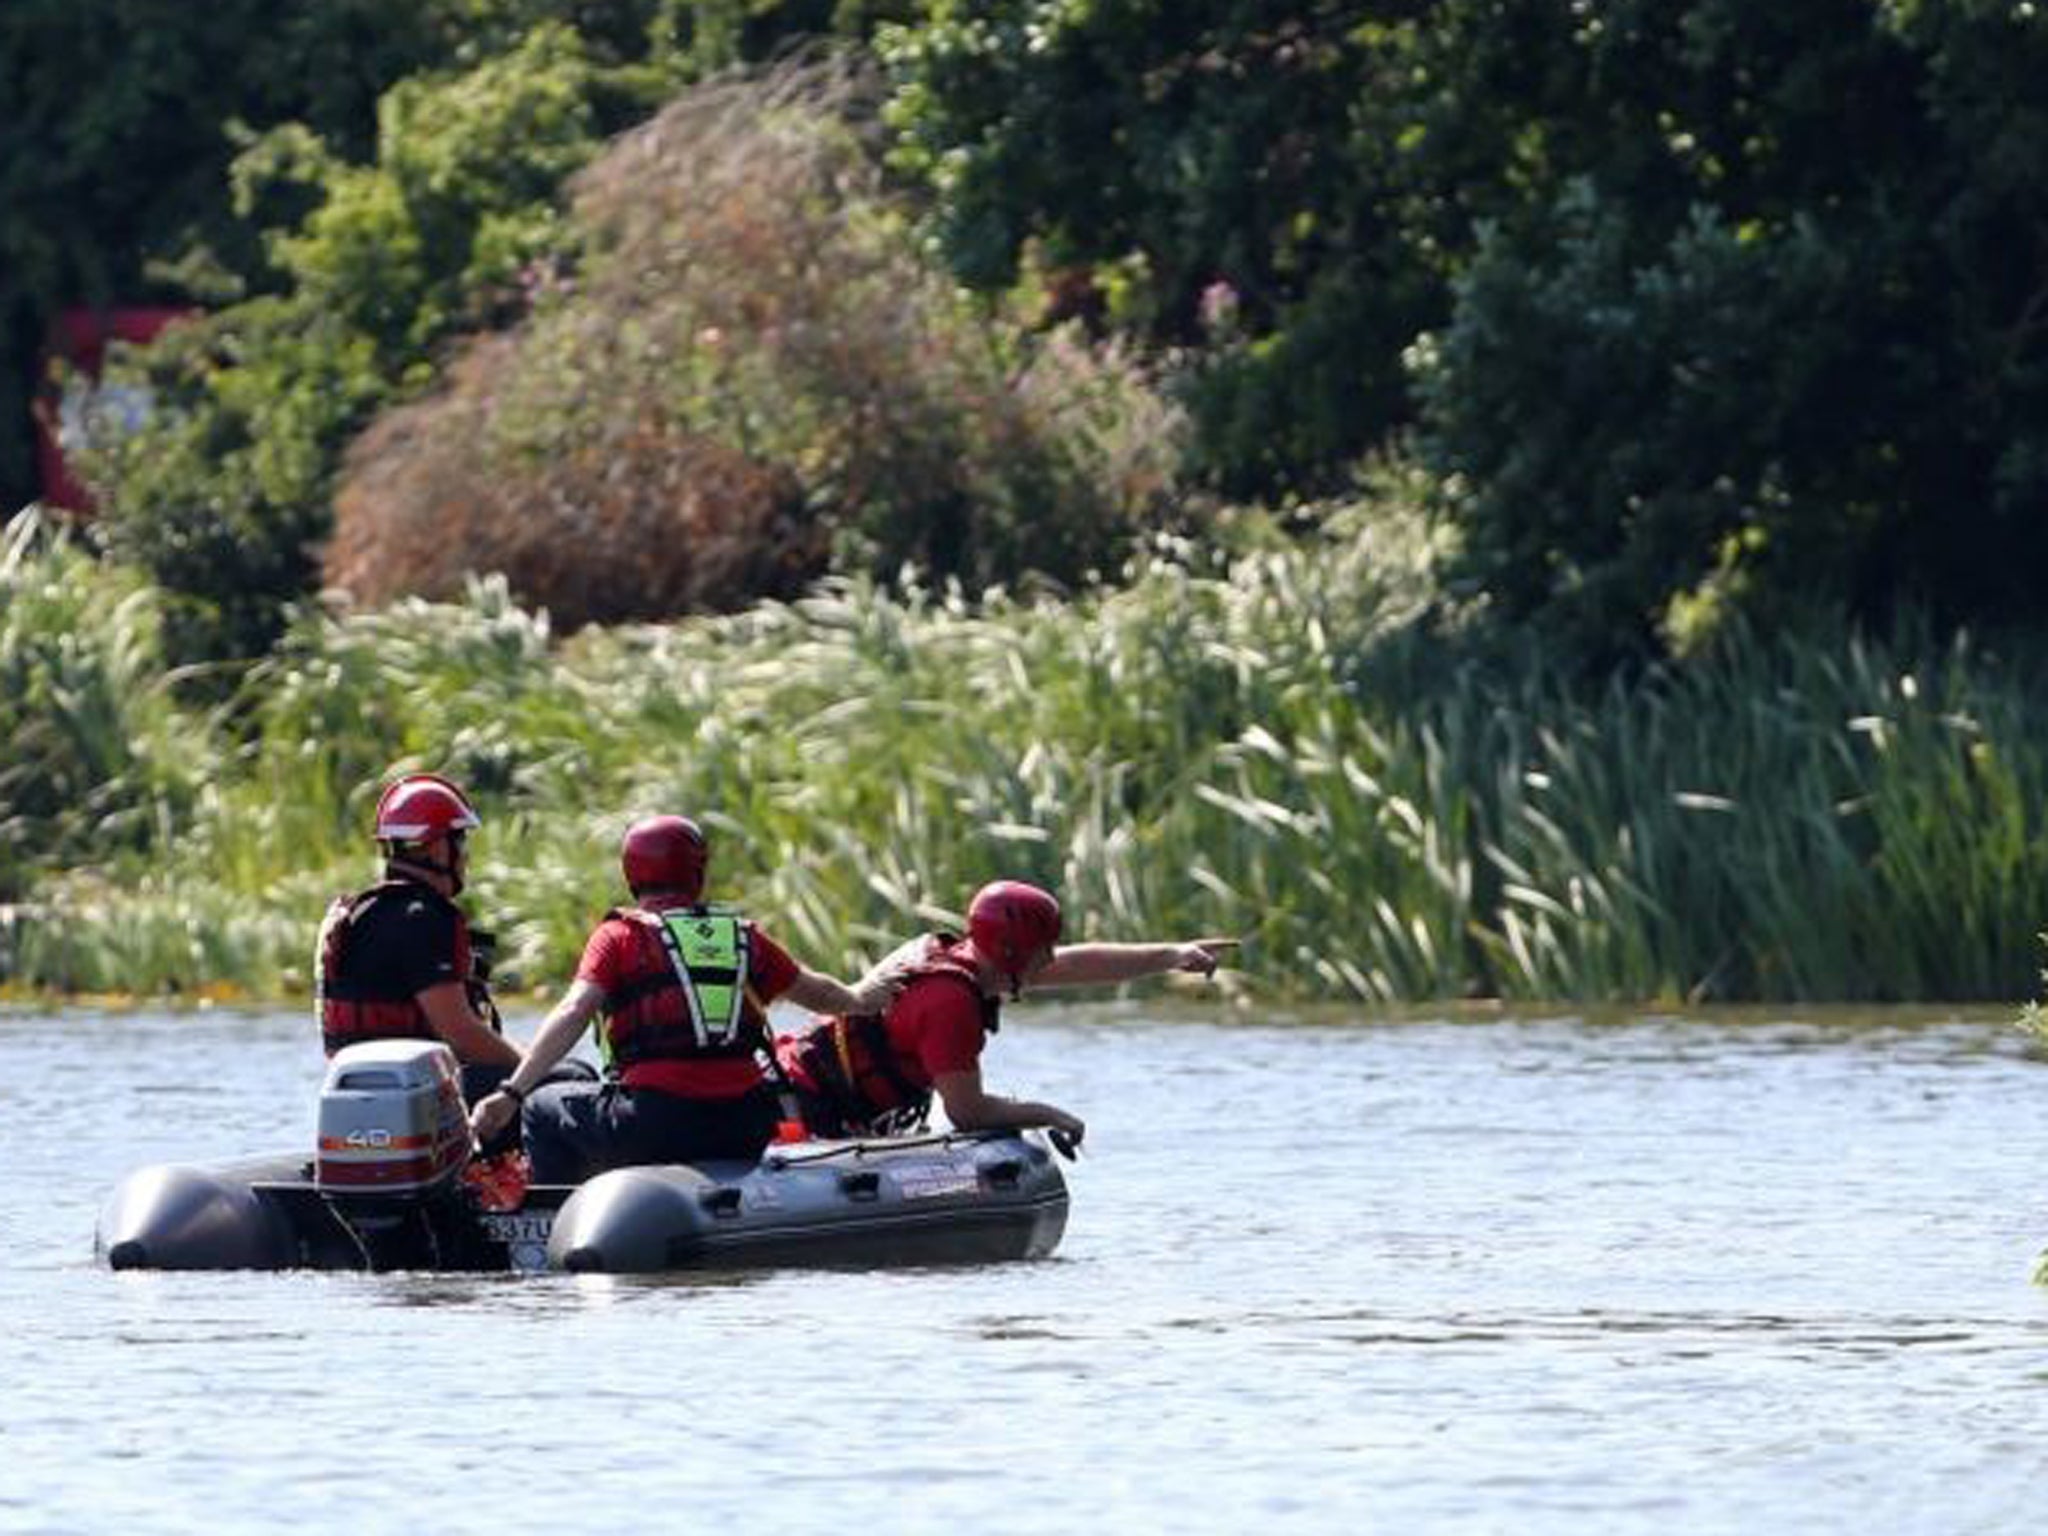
(1699, 1273)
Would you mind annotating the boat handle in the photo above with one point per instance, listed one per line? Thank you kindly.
(860, 1186)
(724, 1201)
(1005, 1174)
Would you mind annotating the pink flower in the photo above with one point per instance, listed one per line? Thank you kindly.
(1218, 307)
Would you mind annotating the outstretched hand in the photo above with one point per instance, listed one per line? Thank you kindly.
(1202, 956)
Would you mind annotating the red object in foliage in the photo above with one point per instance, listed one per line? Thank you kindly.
(69, 386)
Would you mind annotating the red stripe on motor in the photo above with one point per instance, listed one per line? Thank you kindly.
(411, 1170)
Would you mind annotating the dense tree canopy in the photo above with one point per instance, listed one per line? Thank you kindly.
(225, 491)
(1219, 176)
(1702, 302)
(1688, 306)
(1764, 324)
(121, 118)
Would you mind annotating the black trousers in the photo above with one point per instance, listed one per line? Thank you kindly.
(576, 1130)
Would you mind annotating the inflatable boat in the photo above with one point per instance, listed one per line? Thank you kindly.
(384, 1190)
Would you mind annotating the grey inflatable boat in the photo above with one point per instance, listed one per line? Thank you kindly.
(385, 1191)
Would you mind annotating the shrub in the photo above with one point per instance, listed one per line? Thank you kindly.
(754, 373)
(220, 496)
(638, 517)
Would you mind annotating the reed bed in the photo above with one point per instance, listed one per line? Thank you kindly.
(94, 757)
(1288, 746)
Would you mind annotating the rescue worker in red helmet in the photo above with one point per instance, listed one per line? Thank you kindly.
(875, 1073)
(397, 960)
(683, 990)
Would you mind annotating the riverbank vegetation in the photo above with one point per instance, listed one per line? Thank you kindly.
(1478, 499)
(1291, 745)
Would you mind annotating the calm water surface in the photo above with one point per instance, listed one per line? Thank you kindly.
(1691, 1274)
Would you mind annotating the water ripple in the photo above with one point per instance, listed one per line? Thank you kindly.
(1710, 1273)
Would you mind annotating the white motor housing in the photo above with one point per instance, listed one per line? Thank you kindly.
(392, 1122)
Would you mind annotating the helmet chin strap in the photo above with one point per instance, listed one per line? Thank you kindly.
(1015, 969)
(1029, 965)
(396, 854)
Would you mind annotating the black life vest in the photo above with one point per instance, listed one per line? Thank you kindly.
(351, 1009)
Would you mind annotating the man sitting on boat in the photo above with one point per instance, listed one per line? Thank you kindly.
(398, 961)
(874, 1073)
(683, 988)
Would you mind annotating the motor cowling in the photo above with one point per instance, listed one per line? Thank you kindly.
(392, 1128)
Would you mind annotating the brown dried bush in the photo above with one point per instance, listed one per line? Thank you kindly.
(753, 375)
(633, 519)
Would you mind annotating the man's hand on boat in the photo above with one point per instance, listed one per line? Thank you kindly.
(491, 1114)
(1066, 1137)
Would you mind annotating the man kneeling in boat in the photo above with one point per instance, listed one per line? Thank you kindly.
(684, 990)
(874, 1073)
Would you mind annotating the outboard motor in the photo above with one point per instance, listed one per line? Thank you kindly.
(393, 1141)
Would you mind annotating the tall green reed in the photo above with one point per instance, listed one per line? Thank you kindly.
(93, 757)
(1283, 746)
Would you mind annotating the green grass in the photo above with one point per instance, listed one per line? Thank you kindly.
(1276, 747)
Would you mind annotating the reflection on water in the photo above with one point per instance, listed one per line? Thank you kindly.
(1577, 1272)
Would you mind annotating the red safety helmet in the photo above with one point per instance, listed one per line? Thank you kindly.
(420, 806)
(664, 853)
(1012, 924)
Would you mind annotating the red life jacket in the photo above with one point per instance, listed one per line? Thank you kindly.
(853, 1065)
(352, 1010)
(648, 1016)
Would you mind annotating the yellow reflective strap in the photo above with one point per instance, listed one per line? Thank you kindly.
(709, 951)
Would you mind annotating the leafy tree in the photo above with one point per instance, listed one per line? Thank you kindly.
(702, 37)
(122, 117)
(1224, 175)
(1717, 304)
(410, 192)
(224, 492)
(1762, 321)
